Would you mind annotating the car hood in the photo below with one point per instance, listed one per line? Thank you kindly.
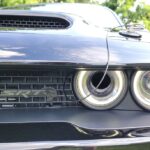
(67, 47)
(129, 52)
(81, 44)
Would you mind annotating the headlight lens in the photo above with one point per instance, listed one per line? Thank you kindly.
(141, 88)
(110, 92)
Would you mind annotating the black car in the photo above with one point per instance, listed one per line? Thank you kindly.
(72, 75)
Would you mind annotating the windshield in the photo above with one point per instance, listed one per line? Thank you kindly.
(93, 14)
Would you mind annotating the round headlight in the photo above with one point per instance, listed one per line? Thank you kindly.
(141, 88)
(109, 93)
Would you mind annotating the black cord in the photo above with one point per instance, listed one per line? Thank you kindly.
(64, 84)
(101, 80)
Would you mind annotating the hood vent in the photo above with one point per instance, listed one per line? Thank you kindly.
(33, 22)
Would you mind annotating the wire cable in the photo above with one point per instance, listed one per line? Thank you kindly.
(101, 79)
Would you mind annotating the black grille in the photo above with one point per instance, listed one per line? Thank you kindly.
(17, 81)
(33, 22)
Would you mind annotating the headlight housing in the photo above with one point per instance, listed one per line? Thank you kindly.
(141, 88)
(107, 95)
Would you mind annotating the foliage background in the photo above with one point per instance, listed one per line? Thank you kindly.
(135, 11)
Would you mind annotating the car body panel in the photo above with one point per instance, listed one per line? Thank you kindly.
(86, 46)
(129, 52)
(52, 48)
(93, 44)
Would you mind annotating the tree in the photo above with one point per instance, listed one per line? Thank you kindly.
(17, 2)
(130, 11)
(127, 9)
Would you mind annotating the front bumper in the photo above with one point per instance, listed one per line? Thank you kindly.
(71, 127)
(73, 144)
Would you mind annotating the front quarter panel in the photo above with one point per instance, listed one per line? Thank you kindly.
(128, 52)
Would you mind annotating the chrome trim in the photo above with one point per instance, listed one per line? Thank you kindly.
(78, 143)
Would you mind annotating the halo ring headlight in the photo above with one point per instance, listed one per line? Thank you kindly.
(108, 95)
(141, 88)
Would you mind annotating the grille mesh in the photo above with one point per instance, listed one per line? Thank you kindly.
(36, 80)
(33, 22)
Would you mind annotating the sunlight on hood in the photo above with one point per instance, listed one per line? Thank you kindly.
(8, 54)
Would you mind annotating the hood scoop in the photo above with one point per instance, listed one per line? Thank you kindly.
(33, 22)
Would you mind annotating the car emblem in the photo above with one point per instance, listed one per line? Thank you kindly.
(48, 92)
